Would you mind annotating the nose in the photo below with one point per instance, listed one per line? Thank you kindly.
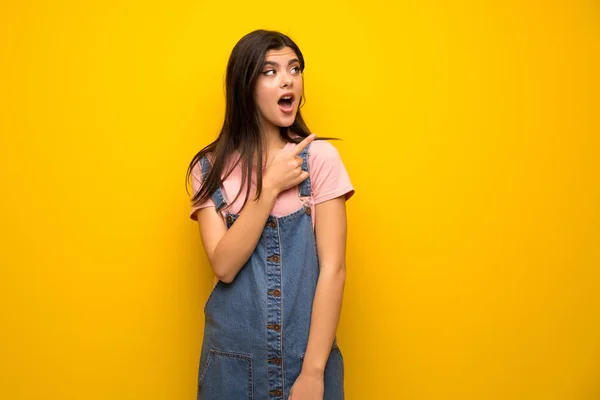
(286, 81)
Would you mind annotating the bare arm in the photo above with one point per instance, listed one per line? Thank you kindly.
(330, 230)
(228, 250)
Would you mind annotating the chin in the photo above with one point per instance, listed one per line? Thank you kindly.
(286, 122)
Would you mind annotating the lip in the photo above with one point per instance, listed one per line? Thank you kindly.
(293, 100)
(288, 94)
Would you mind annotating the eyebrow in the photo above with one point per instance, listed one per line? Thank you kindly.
(273, 63)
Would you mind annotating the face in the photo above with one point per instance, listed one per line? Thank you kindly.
(279, 88)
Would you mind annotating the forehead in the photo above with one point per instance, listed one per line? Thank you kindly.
(280, 55)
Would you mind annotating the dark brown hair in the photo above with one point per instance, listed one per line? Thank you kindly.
(240, 131)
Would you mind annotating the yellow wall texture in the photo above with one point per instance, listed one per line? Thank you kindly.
(470, 132)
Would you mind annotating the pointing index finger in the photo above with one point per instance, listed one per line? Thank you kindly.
(302, 145)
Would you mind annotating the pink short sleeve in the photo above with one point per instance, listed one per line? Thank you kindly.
(196, 186)
(329, 178)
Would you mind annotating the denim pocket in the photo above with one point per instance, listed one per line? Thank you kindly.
(226, 376)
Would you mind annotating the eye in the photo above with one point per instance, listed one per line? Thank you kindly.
(269, 72)
(296, 69)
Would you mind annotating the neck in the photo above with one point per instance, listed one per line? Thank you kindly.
(273, 143)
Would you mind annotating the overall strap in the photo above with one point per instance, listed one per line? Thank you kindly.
(304, 187)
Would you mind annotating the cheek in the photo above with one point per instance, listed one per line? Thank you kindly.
(259, 95)
(264, 95)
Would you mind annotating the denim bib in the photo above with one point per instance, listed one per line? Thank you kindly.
(256, 327)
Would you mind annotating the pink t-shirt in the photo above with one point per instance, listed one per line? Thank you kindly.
(328, 178)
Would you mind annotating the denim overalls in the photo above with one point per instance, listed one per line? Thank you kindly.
(256, 327)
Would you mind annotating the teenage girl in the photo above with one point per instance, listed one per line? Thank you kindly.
(269, 199)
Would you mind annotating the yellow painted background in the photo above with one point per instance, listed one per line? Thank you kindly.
(470, 132)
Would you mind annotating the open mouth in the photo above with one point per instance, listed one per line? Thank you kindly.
(286, 103)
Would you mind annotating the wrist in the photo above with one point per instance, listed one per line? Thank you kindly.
(269, 192)
(312, 370)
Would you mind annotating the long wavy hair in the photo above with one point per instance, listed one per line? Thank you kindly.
(241, 130)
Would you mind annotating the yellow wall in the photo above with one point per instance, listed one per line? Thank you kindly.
(471, 135)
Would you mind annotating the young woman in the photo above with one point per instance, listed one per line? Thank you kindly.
(270, 203)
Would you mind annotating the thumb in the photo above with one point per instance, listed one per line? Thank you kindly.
(302, 178)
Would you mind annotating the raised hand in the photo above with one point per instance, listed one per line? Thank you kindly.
(285, 170)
